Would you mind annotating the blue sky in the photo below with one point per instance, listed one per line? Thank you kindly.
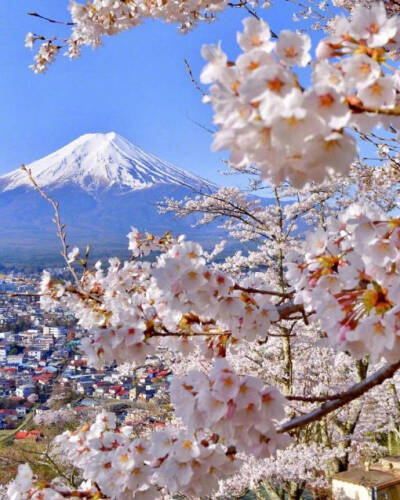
(136, 85)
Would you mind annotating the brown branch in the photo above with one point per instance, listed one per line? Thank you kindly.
(57, 220)
(193, 79)
(356, 106)
(280, 335)
(186, 334)
(314, 399)
(252, 12)
(354, 392)
(262, 292)
(200, 125)
(286, 310)
(18, 280)
(53, 21)
(12, 294)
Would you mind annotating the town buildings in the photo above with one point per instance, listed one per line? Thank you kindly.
(39, 356)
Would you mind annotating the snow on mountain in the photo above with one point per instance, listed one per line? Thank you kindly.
(100, 162)
(104, 185)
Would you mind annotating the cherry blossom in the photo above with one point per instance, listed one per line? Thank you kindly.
(260, 340)
(265, 118)
(349, 280)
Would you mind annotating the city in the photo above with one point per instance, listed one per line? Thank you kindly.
(40, 364)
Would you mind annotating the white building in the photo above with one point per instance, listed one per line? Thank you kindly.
(23, 391)
(54, 331)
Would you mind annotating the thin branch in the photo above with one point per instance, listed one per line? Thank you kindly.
(53, 21)
(354, 392)
(185, 334)
(314, 399)
(193, 79)
(254, 14)
(57, 220)
(198, 124)
(262, 292)
(280, 335)
(286, 310)
(12, 294)
(17, 279)
(357, 107)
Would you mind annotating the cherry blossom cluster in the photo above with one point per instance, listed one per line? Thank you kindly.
(186, 284)
(114, 307)
(114, 304)
(98, 18)
(46, 54)
(142, 245)
(268, 120)
(25, 486)
(242, 410)
(349, 276)
(364, 44)
(172, 460)
(108, 17)
(180, 300)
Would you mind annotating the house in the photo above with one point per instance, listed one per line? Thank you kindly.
(54, 331)
(15, 359)
(33, 435)
(38, 353)
(122, 394)
(23, 391)
(43, 379)
(85, 387)
(113, 390)
(4, 351)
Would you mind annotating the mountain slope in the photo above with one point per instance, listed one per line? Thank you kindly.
(98, 162)
(104, 185)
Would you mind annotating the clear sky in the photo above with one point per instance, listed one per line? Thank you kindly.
(136, 85)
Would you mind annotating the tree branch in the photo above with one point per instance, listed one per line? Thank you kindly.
(192, 78)
(354, 392)
(286, 310)
(12, 294)
(57, 220)
(262, 292)
(53, 21)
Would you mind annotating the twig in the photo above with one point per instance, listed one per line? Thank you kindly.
(314, 399)
(354, 392)
(286, 310)
(17, 279)
(12, 294)
(193, 79)
(204, 127)
(53, 21)
(280, 335)
(262, 292)
(187, 335)
(356, 106)
(57, 220)
(243, 4)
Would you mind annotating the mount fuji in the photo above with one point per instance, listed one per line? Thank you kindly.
(101, 162)
(104, 185)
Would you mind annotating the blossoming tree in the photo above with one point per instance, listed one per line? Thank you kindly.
(288, 354)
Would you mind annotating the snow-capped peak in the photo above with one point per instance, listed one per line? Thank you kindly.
(100, 162)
